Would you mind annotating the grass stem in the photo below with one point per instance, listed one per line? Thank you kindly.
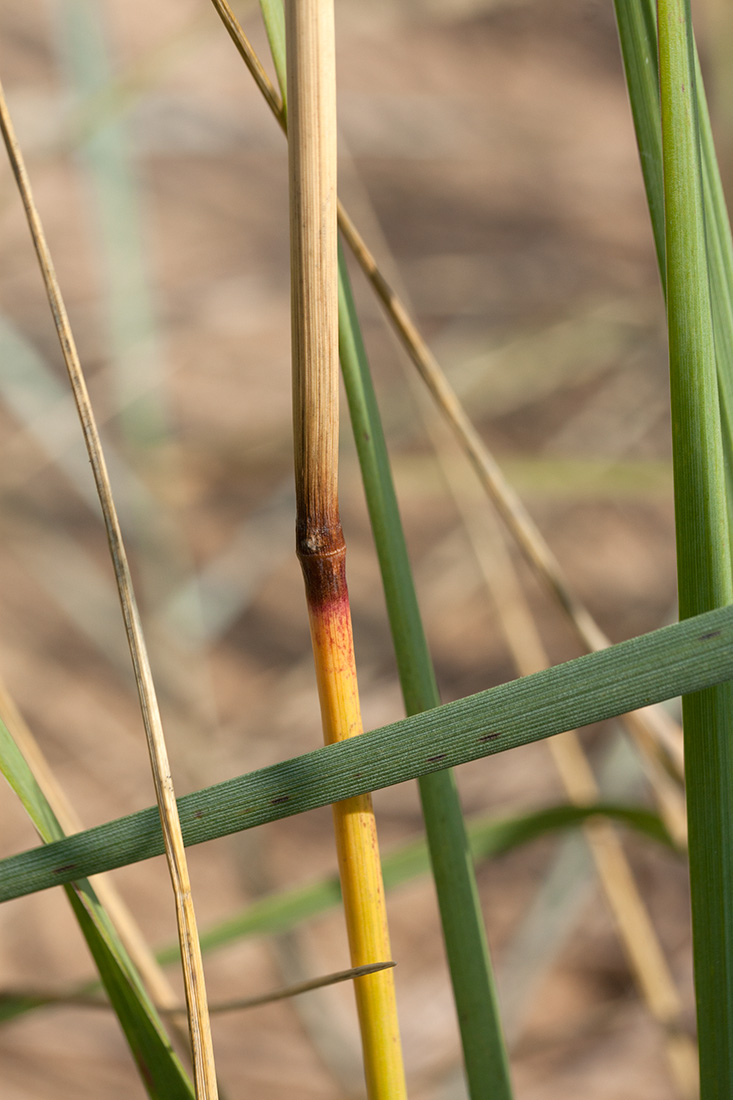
(319, 539)
(200, 1032)
(703, 550)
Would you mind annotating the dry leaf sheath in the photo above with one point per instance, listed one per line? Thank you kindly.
(202, 1051)
(320, 543)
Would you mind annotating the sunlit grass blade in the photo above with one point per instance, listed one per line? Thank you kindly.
(703, 551)
(200, 1033)
(311, 86)
(720, 269)
(251, 60)
(484, 1051)
(159, 1067)
(685, 657)
(636, 21)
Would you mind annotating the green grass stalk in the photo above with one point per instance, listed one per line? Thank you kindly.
(703, 551)
(653, 730)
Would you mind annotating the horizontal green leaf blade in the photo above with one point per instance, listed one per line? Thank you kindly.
(675, 660)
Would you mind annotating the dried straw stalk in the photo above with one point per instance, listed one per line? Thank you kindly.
(634, 926)
(199, 1027)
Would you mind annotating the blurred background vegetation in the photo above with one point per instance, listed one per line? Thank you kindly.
(488, 155)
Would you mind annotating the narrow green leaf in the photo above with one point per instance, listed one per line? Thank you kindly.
(273, 16)
(636, 21)
(637, 28)
(703, 551)
(287, 909)
(474, 989)
(676, 660)
(487, 837)
(159, 1067)
(720, 270)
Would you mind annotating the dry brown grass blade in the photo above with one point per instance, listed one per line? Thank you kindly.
(251, 60)
(200, 1032)
(652, 728)
(660, 770)
(633, 923)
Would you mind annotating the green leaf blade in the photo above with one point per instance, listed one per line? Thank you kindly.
(679, 659)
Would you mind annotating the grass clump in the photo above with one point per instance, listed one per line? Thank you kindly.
(693, 657)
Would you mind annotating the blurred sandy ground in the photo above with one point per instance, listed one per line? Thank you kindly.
(488, 156)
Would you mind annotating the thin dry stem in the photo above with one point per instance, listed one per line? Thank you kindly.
(76, 999)
(662, 775)
(251, 60)
(652, 728)
(200, 1032)
(314, 274)
(508, 504)
(633, 923)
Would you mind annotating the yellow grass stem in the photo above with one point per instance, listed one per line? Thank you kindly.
(652, 728)
(320, 544)
(356, 842)
(199, 1028)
